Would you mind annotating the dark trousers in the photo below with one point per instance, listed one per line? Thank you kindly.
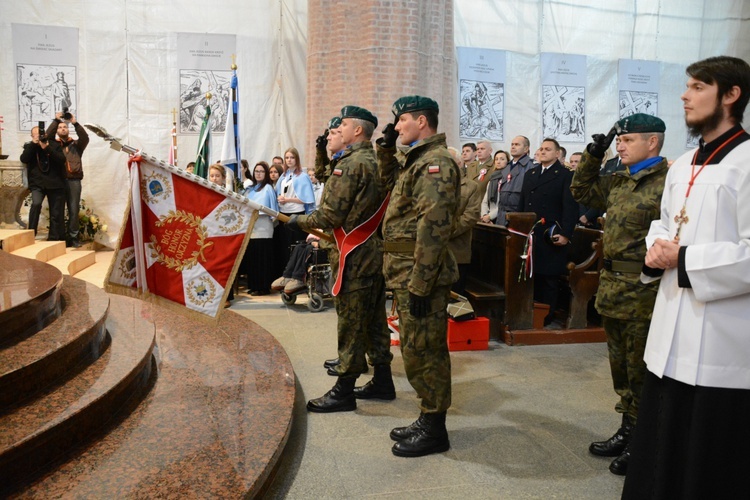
(546, 289)
(56, 199)
(297, 264)
(73, 201)
(460, 286)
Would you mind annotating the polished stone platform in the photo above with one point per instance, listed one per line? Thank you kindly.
(206, 415)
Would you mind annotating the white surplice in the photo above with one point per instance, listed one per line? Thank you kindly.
(701, 335)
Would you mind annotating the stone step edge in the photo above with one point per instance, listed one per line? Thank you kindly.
(69, 429)
(13, 239)
(42, 250)
(73, 262)
(24, 373)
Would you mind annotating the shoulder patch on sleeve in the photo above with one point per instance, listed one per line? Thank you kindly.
(337, 171)
(433, 169)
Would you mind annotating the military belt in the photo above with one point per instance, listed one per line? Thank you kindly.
(623, 266)
(399, 246)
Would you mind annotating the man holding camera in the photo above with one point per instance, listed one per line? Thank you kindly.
(73, 150)
(45, 164)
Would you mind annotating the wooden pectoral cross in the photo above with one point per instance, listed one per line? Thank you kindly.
(680, 219)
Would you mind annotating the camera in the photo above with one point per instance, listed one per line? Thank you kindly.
(67, 114)
(42, 132)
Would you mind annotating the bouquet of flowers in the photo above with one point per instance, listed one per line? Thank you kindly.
(89, 223)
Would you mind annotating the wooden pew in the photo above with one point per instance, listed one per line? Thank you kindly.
(585, 262)
(493, 286)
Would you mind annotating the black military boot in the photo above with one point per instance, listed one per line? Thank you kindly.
(399, 433)
(330, 363)
(619, 465)
(430, 437)
(614, 446)
(380, 387)
(340, 398)
(333, 372)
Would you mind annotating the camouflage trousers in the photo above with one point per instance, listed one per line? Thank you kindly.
(424, 348)
(362, 328)
(626, 341)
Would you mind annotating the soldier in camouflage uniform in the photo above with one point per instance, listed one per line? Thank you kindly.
(632, 199)
(351, 197)
(418, 265)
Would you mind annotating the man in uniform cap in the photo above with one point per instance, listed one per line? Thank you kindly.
(352, 207)
(418, 266)
(631, 198)
(330, 140)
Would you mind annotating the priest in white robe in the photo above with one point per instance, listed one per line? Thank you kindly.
(693, 424)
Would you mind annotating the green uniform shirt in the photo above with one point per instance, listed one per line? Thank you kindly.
(351, 196)
(631, 203)
(422, 209)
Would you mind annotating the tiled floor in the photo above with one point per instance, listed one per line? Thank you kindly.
(520, 425)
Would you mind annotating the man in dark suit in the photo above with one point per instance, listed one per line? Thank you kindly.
(546, 191)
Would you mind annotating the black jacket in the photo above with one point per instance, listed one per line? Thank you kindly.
(45, 167)
(549, 196)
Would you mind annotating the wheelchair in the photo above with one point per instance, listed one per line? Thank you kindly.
(317, 280)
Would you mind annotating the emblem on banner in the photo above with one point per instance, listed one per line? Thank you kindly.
(180, 241)
(201, 290)
(127, 264)
(156, 187)
(229, 218)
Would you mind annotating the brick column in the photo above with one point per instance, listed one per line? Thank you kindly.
(369, 53)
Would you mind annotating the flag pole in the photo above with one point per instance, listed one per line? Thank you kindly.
(174, 137)
(2, 156)
(115, 144)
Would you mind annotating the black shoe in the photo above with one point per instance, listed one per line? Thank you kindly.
(401, 433)
(380, 387)
(619, 465)
(339, 398)
(614, 446)
(334, 373)
(330, 363)
(72, 244)
(430, 437)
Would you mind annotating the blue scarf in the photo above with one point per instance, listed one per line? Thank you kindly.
(648, 162)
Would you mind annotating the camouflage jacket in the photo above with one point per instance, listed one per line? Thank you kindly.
(631, 203)
(350, 197)
(470, 201)
(322, 164)
(422, 209)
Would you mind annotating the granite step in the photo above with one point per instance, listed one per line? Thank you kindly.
(73, 261)
(13, 239)
(77, 337)
(42, 429)
(213, 426)
(42, 250)
(30, 292)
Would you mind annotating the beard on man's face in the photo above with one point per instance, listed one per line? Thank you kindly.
(702, 126)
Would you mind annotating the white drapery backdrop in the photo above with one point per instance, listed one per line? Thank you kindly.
(128, 80)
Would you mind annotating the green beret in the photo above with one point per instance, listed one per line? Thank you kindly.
(359, 113)
(639, 123)
(334, 123)
(410, 103)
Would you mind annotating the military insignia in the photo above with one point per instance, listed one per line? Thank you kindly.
(200, 290)
(127, 264)
(230, 219)
(155, 187)
(433, 169)
(337, 172)
(181, 240)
